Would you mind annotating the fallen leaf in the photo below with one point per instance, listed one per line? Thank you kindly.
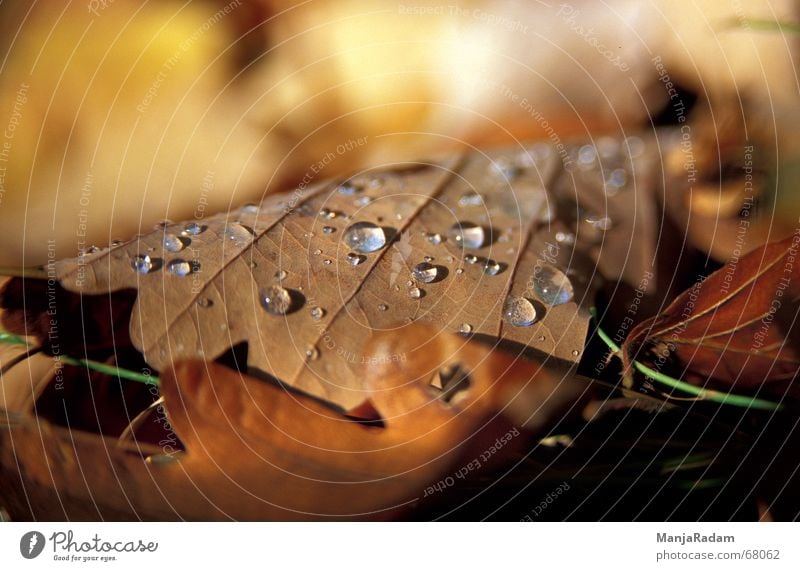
(736, 327)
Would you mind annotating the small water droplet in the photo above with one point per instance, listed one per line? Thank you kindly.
(575, 352)
(428, 258)
(467, 234)
(365, 237)
(280, 275)
(542, 338)
(602, 223)
(312, 353)
(616, 179)
(276, 300)
(519, 312)
(465, 328)
(327, 262)
(328, 230)
(504, 168)
(459, 271)
(415, 293)
(238, 234)
(355, 259)
(348, 189)
(317, 313)
(425, 272)
(363, 200)
(180, 268)
(567, 238)
(374, 182)
(142, 264)
(173, 243)
(328, 214)
(491, 268)
(398, 216)
(382, 307)
(471, 259)
(587, 155)
(115, 243)
(204, 302)
(317, 252)
(434, 238)
(470, 198)
(250, 208)
(552, 286)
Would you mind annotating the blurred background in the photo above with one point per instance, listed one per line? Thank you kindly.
(116, 115)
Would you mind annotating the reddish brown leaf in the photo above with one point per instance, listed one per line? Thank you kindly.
(735, 327)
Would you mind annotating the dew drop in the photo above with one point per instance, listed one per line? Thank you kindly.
(276, 300)
(470, 198)
(328, 214)
(317, 313)
(519, 312)
(459, 271)
(465, 328)
(467, 234)
(575, 352)
(602, 223)
(425, 272)
(193, 229)
(280, 275)
(348, 189)
(587, 155)
(382, 307)
(173, 243)
(328, 230)
(566, 238)
(428, 258)
(204, 302)
(142, 264)
(363, 200)
(250, 209)
(327, 262)
(504, 168)
(471, 259)
(317, 252)
(491, 268)
(365, 237)
(238, 234)
(180, 268)
(415, 293)
(355, 259)
(312, 353)
(434, 238)
(552, 286)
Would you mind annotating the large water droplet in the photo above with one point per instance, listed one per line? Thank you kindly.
(276, 299)
(519, 312)
(355, 259)
(142, 264)
(180, 268)
(425, 272)
(238, 235)
(173, 243)
(552, 286)
(467, 234)
(365, 237)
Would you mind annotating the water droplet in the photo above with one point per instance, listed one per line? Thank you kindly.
(173, 243)
(204, 302)
(541, 151)
(276, 300)
(88, 251)
(327, 262)
(365, 237)
(465, 328)
(328, 230)
(398, 216)
(280, 275)
(355, 259)
(542, 338)
(142, 264)
(428, 258)
(374, 182)
(471, 259)
(363, 200)
(312, 353)
(115, 243)
(317, 252)
(519, 312)
(616, 179)
(552, 286)
(587, 155)
(425, 272)
(491, 268)
(602, 223)
(180, 268)
(348, 189)
(250, 208)
(467, 234)
(238, 234)
(575, 352)
(317, 313)
(567, 238)
(328, 214)
(415, 293)
(607, 147)
(470, 198)
(459, 271)
(382, 307)
(505, 168)
(434, 238)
